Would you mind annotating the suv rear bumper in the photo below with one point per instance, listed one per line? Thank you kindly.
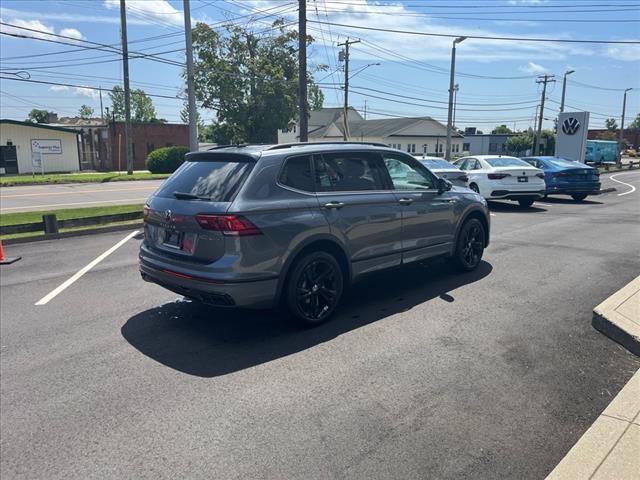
(221, 293)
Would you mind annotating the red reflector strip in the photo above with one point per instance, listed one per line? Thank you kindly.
(189, 277)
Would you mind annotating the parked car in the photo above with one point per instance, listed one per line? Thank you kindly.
(446, 170)
(256, 226)
(499, 177)
(567, 177)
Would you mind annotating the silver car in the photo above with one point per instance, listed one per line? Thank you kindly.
(446, 170)
(296, 224)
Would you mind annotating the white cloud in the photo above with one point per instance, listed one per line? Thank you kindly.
(59, 88)
(72, 32)
(623, 52)
(155, 11)
(532, 67)
(68, 17)
(31, 25)
(87, 92)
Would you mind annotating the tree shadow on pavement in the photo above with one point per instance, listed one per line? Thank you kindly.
(514, 207)
(209, 342)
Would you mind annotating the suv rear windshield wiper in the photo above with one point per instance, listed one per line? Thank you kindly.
(189, 196)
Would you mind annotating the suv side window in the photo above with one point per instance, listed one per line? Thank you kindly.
(348, 172)
(408, 174)
(296, 173)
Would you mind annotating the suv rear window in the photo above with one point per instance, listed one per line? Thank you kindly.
(216, 181)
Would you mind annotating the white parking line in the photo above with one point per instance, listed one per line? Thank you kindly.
(544, 204)
(633, 189)
(50, 296)
(492, 214)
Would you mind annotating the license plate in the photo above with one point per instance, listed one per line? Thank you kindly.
(523, 179)
(173, 239)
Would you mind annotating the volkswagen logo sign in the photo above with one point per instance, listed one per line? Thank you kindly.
(570, 125)
(167, 215)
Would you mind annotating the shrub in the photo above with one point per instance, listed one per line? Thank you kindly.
(166, 159)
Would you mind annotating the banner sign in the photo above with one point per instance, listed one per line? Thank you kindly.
(46, 146)
(572, 135)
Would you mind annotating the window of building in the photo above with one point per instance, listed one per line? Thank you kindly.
(493, 147)
(411, 147)
(439, 149)
(424, 148)
(466, 147)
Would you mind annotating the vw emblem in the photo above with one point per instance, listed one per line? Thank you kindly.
(167, 215)
(570, 125)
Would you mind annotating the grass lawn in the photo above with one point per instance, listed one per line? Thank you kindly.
(97, 177)
(66, 213)
(63, 230)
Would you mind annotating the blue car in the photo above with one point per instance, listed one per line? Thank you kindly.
(566, 177)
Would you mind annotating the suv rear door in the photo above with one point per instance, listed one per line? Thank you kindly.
(427, 215)
(355, 197)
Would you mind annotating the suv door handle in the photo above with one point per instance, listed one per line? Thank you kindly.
(405, 201)
(336, 205)
(446, 200)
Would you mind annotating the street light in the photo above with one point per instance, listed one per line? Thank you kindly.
(564, 88)
(621, 139)
(451, 92)
(362, 69)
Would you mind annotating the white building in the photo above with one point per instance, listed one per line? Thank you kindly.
(413, 134)
(57, 147)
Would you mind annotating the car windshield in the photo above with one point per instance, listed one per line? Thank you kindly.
(438, 164)
(563, 162)
(215, 181)
(506, 162)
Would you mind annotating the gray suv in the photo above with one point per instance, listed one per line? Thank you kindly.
(295, 224)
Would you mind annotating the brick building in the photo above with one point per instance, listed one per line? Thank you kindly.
(632, 135)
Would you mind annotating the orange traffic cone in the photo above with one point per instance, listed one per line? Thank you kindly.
(4, 260)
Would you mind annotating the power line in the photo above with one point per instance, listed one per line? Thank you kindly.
(479, 37)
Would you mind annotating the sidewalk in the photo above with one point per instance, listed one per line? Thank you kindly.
(610, 449)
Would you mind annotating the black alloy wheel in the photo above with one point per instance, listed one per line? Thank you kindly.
(470, 247)
(315, 288)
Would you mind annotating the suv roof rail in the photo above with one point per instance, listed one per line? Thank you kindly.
(239, 145)
(282, 146)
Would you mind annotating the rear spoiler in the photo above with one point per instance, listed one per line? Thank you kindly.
(222, 156)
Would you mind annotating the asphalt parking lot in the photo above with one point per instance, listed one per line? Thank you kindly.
(422, 373)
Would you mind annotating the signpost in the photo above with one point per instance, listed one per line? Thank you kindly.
(36, 163)
(572, 135)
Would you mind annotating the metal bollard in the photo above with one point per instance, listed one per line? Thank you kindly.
(50, 223)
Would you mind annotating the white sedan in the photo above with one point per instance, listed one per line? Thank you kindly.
(499, 177)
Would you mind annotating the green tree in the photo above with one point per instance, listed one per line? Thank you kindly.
(38, 116)
(636, 122)
(250, 79)
(502, 129)
(142, 109)
(519, 144)
(85, 112)
(611, 124)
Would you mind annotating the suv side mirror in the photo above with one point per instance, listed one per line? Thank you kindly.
(444, 185)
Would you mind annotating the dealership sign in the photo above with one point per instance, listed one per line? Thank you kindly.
(572, 135)
(46, 146)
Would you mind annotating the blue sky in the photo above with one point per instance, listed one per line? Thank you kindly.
(496, 78)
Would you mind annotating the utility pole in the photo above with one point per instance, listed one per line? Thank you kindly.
(302, 71)
(621, 139)
(128, 137)
(191, 92)
(345, 112)
(544, 79)
(451, 87)
(101, 109)
(365, 109)
(564, 88)
(455, 101)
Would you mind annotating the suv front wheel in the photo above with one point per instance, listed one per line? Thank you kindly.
(470, 245)
(314, 288)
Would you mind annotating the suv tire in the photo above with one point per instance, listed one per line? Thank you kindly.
(578, 197)
(525, 203)
(470, 246)
(314, 288)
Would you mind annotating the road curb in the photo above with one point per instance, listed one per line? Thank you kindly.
(618, 317)
(607, 190)
(78, 233)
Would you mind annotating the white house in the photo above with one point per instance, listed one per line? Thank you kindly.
(56, 147)
(413, 134)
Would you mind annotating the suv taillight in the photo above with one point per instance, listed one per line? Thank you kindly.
(561, 174)
(497, 176)
(236, 225)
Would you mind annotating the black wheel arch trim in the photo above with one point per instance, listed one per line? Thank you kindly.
(465, 216)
